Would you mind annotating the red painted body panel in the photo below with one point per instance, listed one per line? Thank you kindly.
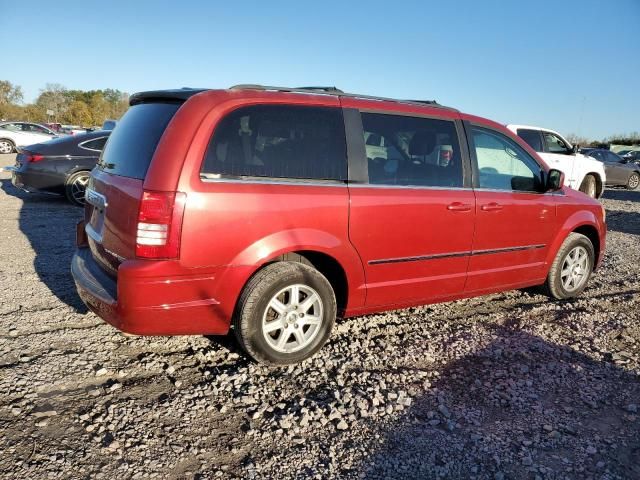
(513, 220)
(231, 229)
(387, 223)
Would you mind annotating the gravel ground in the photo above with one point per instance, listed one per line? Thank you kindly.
(506, 386)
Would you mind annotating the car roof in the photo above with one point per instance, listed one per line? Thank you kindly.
(183, 94)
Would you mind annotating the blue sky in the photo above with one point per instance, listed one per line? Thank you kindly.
(570, 65)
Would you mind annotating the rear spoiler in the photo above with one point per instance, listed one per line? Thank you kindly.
(176, 95)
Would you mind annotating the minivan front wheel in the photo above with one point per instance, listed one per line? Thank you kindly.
(285, 314)
(572, 267)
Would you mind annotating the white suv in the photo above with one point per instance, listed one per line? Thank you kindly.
(581, 172)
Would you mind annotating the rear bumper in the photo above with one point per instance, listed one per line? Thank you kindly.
(35, 183)
(148, 298)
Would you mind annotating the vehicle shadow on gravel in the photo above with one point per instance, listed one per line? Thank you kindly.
(49, 223)
(621, 194)
(623, 221)
(486, 416)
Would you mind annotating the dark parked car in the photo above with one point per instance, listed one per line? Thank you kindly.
(59, 166)
(619, 171)
(632, 156)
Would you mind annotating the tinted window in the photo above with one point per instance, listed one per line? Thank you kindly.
(30, 127)
(532, 137)
(554, 143)
(612, 157)
(503, 164)
(132, 144)
(597, 154)
(97, 144)
(412, 151)
(279, 142)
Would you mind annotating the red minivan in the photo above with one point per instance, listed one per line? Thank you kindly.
(276, 210)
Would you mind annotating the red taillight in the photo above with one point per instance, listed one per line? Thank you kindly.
(31, 157)
(160, 224)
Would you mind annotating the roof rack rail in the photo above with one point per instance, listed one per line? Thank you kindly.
(335, 92)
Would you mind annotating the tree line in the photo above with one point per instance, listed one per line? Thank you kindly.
(93, 107)
(74, 107)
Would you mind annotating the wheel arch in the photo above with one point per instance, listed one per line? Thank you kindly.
(336, 260)
(599, 182)
(327, 266)
(10, 140)
(69, 173)
(585, 223)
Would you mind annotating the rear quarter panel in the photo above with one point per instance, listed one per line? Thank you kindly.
(231, 229)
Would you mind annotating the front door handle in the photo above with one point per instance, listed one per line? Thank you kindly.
(459, 207)
(491, 207)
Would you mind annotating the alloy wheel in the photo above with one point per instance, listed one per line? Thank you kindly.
(293, 318)
(78, 188)
(5, 147)
(634, 181)
(575, 269)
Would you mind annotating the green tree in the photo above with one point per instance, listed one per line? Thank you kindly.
(77, 113)
(100, 108)
(54, 97)
(10, 93)
(10, 97)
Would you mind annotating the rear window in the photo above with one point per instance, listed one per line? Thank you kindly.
(277, 141)
(532, 137)
(130, 148)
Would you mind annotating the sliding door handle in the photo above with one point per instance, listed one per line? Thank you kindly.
(491, 207)
(459, 207)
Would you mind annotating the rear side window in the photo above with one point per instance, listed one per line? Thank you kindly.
(597, 155)
(131, 146)
(532, 137)
(612, 157)
(277, 141)
(96, 144)
(412, 151)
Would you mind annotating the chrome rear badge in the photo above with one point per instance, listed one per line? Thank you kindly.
(96, 199)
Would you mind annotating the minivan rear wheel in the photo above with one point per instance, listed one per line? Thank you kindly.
(285, 314)
(572, 267)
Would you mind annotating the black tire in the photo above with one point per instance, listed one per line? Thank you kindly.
(633, 181)
(254, 306)
(589, 186)
(554, 285)
(7, 146)
(75, 186)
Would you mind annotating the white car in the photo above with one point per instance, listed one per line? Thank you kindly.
(581, 172)
(20, 134)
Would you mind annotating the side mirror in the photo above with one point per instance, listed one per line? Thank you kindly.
(555, 180)
(575, 148)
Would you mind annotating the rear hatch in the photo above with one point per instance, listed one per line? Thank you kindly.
(116, 184)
